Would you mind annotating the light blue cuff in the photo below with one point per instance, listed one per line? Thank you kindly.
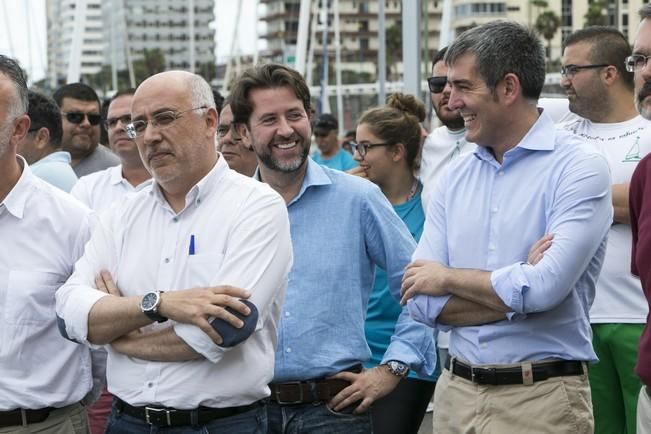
(426, 309)
(510, 284)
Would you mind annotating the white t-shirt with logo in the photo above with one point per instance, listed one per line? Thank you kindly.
(619, 297)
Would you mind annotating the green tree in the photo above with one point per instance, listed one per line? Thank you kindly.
(597, 14)
(547, 25)
(394, 46)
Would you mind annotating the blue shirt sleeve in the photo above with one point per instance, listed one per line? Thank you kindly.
(390, 246)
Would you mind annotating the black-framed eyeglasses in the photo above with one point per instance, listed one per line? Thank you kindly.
(111, 123)
(160, 121)
(363, 148)
(78, 117)
(569, 71)
(635, 62)
(437, 83)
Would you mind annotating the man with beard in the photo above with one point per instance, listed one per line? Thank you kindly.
(80, 110)
(101, 189)
(42, 231)
(600, 92)
(446, 142)
(342, 226)
(640, 209)
(236, 149)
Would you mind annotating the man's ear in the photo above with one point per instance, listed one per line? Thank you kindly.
(21, 127)
(42, 140)
(511, 88)
(243, 131)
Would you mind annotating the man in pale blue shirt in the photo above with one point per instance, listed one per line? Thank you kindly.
(41, 147)
(516, 319)
(341, 227)
(330, 154)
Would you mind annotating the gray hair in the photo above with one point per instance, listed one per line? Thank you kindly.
(12, 70)
(200, 92)
(503, 47)
(645, 11)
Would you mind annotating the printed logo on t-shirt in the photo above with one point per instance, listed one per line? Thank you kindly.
(633, 154)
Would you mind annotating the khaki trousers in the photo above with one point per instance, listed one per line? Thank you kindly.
(643, 412)
(559, 405)
(67, 420)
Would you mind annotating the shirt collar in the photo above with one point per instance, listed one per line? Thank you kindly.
(201, 189)
(540, 137)
(315, 175)
(17, 197)
(115, 175)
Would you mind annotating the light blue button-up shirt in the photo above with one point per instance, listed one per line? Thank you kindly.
(485, 215)
(341, 227)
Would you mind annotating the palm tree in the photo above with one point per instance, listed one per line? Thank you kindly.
(596, 15)
(547, 25)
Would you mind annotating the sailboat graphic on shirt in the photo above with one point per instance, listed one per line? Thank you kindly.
(633, 154)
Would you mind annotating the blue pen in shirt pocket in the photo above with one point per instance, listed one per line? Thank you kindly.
(191, 249)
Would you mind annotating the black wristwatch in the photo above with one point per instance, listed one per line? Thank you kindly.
(149, 306)
(397, 368)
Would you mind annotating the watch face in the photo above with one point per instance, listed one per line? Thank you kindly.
(149, 301)
(397, 368)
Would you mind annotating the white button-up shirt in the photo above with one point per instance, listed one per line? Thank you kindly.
(241, 238)
(100, 190)
(42, 233)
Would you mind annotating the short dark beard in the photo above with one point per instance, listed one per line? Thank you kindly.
(272, 164)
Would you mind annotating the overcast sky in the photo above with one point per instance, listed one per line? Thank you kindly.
(23, 31)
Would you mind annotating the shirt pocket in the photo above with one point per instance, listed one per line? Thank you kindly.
(30, 296)
(204, 269)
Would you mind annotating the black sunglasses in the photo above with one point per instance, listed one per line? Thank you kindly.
(78, 117)
(437, 84)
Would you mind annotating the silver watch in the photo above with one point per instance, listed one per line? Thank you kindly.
(397, 368)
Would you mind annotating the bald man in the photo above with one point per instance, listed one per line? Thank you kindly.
(200, 225)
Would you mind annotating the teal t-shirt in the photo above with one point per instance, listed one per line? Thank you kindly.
(342, 160)
(383, 310)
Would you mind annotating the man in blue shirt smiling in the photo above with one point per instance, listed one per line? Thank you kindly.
(521, 335)
(341, 227)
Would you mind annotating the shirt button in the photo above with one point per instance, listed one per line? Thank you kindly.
(176, 219)
(288, 350)
(501, 173)
(484, 346)
(167, 260)
(491, 247)
(495, 209)
(198, 201)
(150, 385)
(286, 313)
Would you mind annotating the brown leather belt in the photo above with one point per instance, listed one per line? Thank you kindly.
(310, 391)
(513, 375)
(166, 416)
(23, 417)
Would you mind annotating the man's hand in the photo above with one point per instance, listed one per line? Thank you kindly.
(367, 386)
(197, 305)
(104, 282)
(538, 249)
(358, 171)
(423, 277)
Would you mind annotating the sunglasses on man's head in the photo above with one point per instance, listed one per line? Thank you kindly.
(437, 84)
(78, 117)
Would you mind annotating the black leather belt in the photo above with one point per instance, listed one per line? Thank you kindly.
(514, 375)
(310, 391)
(23, 417)
(166, 416)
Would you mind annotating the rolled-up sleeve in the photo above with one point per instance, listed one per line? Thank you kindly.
(579, 221)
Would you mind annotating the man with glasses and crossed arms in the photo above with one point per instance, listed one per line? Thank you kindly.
(199, 225)
(640, 211)
(600, 93)
(80, 109)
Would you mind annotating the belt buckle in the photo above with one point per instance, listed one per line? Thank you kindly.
(483, 375)
(155, 410)
(300, 393)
